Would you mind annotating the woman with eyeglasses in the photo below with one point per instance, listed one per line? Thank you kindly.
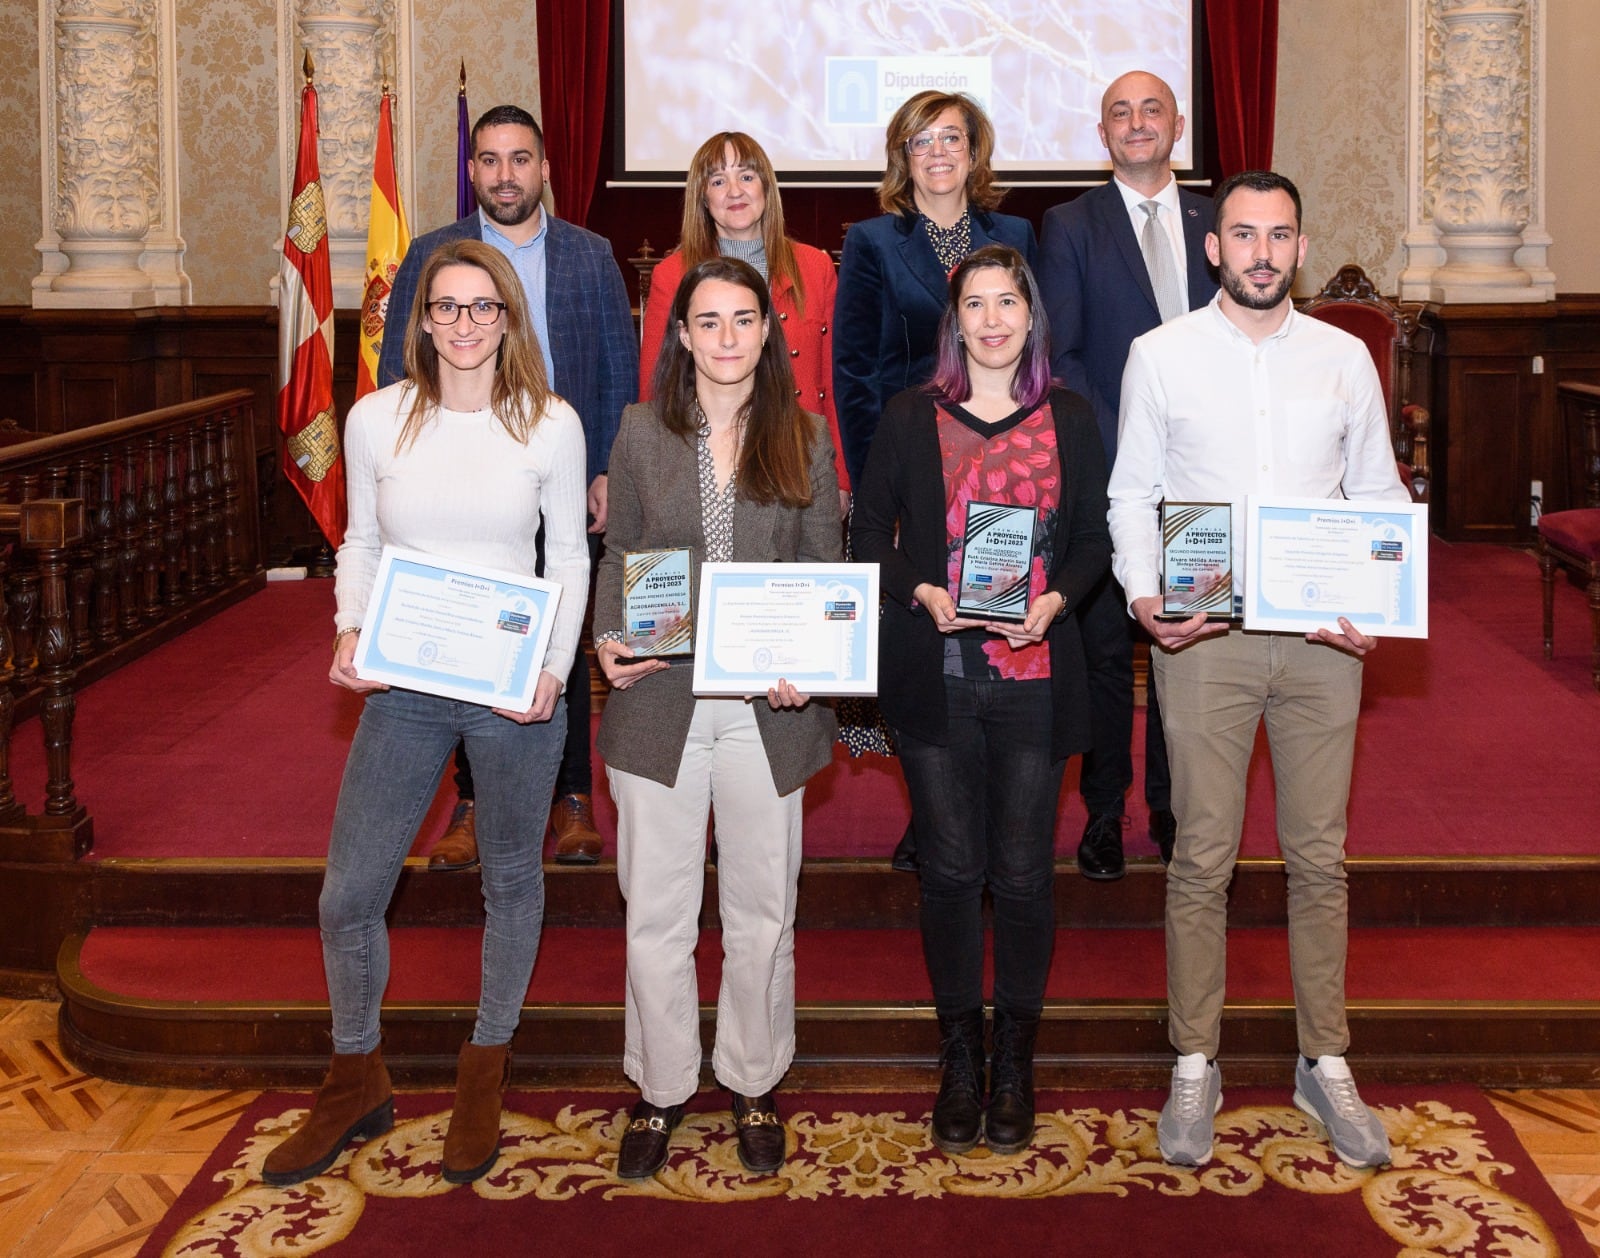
(461, 460)
(938, 197)
(732, 209)
(985, 711)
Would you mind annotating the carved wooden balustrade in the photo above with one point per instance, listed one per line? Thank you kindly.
(120, 537)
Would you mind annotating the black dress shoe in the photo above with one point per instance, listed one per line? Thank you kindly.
(1100, 849)
(1164, 830)
(644, 1144)
(905, 853)
(763, 1140)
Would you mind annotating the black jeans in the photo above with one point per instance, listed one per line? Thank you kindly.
(575, 775)
(1108, 637)
(985, 804)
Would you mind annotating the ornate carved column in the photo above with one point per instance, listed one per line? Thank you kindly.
(108, 142)
(1475, 139)
(350, 41)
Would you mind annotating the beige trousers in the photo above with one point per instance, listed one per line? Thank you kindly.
(1214, 696)
(661, 852)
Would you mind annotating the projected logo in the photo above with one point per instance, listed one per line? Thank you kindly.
(865, 91)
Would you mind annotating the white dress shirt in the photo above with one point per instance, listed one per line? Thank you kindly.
(1210, 416)
(1170, 218)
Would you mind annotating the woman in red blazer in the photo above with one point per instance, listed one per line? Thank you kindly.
(731, 207)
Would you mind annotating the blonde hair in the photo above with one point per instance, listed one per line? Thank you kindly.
(521, 393)
(698, 239)
(896, 194)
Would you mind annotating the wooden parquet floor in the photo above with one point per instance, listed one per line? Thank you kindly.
(87, 1167)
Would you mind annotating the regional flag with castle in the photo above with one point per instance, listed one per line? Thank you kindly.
(387, 239)
(312, 462)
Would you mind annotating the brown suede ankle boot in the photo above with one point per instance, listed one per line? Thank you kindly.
(472, 1143)
(355, 1103)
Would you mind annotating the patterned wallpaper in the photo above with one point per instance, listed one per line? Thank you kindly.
(20, 222)
(503, 70)
(228, 149)
(1340, 133)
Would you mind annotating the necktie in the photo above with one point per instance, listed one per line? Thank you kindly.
(1158, 261)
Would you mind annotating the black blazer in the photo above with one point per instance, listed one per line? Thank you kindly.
(892, 290)
(1097, 291)
(899, 523)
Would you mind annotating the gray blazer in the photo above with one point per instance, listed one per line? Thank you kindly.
(654, 502)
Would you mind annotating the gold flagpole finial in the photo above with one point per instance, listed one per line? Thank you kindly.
(383, 71)
(308, 67)
(462, 90)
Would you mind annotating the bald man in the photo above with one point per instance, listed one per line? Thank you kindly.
(1116, 262)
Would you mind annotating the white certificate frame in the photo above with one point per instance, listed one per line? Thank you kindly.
(812, 625)
(408, 639)
(1305, 565)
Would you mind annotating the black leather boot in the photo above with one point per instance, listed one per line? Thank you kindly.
(958, 1110)
(1008, 1124)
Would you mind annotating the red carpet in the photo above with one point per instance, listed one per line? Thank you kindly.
(581, 966)
(230, 741)
(862, 1178)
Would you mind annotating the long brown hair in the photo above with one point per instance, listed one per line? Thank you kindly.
(698, 239)
(896, 194)
(521, 392)
(774, 456)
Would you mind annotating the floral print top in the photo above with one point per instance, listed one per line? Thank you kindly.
(1012, 461)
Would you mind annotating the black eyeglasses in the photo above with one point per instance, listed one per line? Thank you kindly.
(482, 312)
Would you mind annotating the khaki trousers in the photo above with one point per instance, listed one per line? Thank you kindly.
(1214, 696)
(661, 854)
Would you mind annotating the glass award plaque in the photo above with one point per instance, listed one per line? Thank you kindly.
(656, 607)
(1196, 560)
(996, 562)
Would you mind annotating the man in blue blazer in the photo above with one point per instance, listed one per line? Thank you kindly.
(1100, 294)
(584, 323)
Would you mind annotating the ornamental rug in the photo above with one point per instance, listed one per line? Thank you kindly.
(862, 1173)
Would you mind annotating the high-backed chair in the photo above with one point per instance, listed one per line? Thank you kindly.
(1571, 539)
(1391, 334)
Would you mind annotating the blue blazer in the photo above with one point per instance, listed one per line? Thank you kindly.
(1097, 292)
(592, 341)
(892, 290)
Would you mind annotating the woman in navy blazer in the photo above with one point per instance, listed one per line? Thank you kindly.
(938, 196)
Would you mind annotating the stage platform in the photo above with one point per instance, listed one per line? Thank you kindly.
(211, 769)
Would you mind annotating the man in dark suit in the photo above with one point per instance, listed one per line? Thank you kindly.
(1106, 281)
(584, 324)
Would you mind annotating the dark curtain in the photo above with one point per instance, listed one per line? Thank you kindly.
(572, 97)
(1244, 75)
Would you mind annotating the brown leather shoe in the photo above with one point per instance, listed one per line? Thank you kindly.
(457, 847)
(763, 1140)
(577, 841)
(355, 1103)
(645, 1140)
(472, 1142)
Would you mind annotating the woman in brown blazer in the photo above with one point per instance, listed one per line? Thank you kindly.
(726, 464)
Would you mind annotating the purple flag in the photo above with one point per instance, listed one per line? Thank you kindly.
(465, 202)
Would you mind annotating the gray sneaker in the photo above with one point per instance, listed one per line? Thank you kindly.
(1327, 1092)
(1186, 1129)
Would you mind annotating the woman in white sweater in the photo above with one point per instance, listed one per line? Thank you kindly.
(462, 460)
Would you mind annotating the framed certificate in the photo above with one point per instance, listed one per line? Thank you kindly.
(1309, 561)
(812, 625)
(456, 630)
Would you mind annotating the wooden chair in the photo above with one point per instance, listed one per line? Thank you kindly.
(1570, 539)
(1392, 335)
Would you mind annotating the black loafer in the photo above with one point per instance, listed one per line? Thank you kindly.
(904, 859)
(1164, 830)
(763, 1140)
(644, 1149)
(1100, 851)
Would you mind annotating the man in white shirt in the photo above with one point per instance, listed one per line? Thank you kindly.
(1247, 396)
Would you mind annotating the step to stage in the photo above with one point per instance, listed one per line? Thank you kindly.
(246, 1006)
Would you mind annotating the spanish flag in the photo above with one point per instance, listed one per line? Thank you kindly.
(312, 460)
(387, 239)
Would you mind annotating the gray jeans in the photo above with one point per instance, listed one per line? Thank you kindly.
(400, 750)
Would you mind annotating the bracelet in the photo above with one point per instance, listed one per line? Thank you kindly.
(340, 636)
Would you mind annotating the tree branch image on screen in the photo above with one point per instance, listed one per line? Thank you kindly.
(816, 80)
